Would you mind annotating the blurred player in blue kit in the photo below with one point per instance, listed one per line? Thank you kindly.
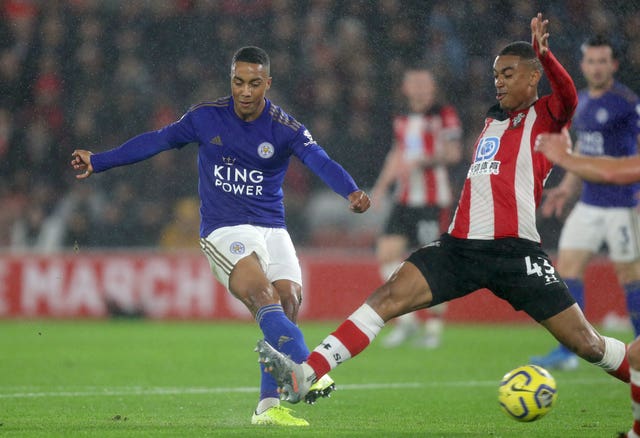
(245, 143)
(606, 123)
(602, 170)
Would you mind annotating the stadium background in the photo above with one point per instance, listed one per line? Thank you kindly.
(92, 73)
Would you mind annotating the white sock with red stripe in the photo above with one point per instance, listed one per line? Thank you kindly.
(615, 360)
(353, 336)
(635, 403)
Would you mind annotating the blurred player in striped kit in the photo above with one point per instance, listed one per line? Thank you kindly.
(607, 123)
(426, 140)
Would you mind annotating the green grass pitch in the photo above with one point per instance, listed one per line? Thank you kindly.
(185, 379)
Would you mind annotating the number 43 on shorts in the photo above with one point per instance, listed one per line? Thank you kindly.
(540, 268)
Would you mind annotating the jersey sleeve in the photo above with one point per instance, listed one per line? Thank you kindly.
(564, 97)
(316, 158)
(143, 146)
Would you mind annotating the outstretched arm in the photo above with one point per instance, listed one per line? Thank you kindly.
(336, 177)
(564, 97)
(606, 170)
(540, 35)
(135, 149)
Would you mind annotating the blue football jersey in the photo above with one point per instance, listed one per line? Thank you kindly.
(608, 125)
(241, 164)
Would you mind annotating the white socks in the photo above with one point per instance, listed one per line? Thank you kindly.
(614, 353)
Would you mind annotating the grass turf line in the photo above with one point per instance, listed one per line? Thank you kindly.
(145, 378)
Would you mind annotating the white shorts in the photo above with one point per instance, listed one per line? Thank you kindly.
(589, 227)
(226, 246)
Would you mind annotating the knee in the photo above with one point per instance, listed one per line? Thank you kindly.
(257, 296)
(291, 299)
(387, 303)
(634, 354)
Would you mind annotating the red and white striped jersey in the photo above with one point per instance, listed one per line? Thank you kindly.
(420, 136)
(505, 180)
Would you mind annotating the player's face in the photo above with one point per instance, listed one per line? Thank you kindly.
(419, 88)
(516, 82)
(249, 84)
(598, 67)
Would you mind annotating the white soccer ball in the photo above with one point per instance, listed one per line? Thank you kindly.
(527, 393)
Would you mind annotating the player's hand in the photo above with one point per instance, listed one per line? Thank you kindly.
(556, 147)
(539, 34)
(359, 201)
(81, 160)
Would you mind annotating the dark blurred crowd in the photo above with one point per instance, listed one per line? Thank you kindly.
(92, 73)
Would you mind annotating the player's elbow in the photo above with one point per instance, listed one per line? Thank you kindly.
(605, 176)
(620, 178)
(615, 175)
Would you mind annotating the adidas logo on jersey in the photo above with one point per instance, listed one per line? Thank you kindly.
(216, 140)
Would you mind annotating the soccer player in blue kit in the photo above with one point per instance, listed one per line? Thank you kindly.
(245, 143)
(604, 170)
(607, 123)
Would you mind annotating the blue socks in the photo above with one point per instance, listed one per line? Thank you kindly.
(284, 336)
(632, 293)
(268, 385)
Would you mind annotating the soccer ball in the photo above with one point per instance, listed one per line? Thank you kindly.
(527, 393)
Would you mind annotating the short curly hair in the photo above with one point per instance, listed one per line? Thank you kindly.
(253, 55)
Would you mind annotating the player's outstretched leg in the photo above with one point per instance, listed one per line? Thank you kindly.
(322, 388)
(291, 377)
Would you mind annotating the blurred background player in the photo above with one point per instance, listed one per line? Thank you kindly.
(426, 141)
(603, 170)
(245, 143)
(606, 124)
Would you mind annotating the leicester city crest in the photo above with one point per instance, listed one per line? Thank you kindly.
(237, 248)
(266, 150)
(602, 115)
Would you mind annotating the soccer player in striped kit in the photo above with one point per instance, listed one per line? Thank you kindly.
(492, 241)
(426, 140)
(245, 143)
(606, 123)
